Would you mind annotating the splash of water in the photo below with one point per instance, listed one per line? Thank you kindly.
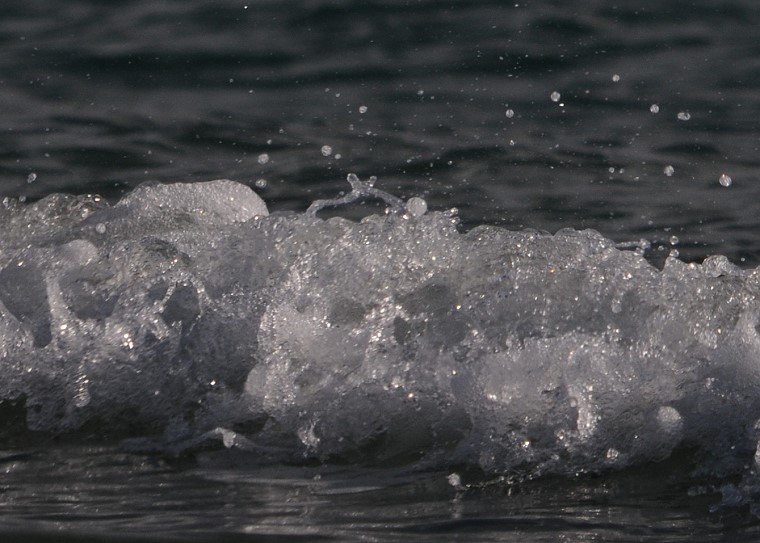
(190, 312)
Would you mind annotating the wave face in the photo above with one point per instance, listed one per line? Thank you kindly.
(188, 311)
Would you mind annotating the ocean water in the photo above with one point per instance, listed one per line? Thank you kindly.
(379, 270)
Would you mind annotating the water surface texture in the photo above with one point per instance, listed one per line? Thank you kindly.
(544, 323)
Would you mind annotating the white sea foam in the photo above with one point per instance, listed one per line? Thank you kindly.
(188, 310)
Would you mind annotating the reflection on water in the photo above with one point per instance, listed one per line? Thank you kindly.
(101, 492)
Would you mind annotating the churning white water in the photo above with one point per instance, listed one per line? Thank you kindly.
(190, 313)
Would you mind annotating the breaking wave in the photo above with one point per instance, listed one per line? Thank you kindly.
(189, 312)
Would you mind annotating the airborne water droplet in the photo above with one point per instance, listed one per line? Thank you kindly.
(654, 108)
(725, 180)
(263, 158)
(555, 96)
(684, 115)
(510, 113)
(326, 150)
(31, 178)
(668, 170)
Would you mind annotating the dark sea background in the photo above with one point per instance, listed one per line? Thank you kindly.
(638, 119)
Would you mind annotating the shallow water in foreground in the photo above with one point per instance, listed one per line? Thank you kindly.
(85, 493)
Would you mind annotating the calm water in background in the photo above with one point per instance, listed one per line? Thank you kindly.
(448, 100)
(101, 96)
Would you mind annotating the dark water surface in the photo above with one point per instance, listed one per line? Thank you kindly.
(101, 494)
(100, 96)
(653, 133)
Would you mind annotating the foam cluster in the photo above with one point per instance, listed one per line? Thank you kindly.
(189, 311)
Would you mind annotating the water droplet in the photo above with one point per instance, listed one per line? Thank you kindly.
(674, 240)
(31, 178)
(326, 150)
(725, 180)
(683, 115)
(416, 207)
(362, 109)
(510, 113)
(454, 480)
(669, 170)
(654, 108)
(261, 183)
(263, 158)
(616, 78)
(555, 96)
